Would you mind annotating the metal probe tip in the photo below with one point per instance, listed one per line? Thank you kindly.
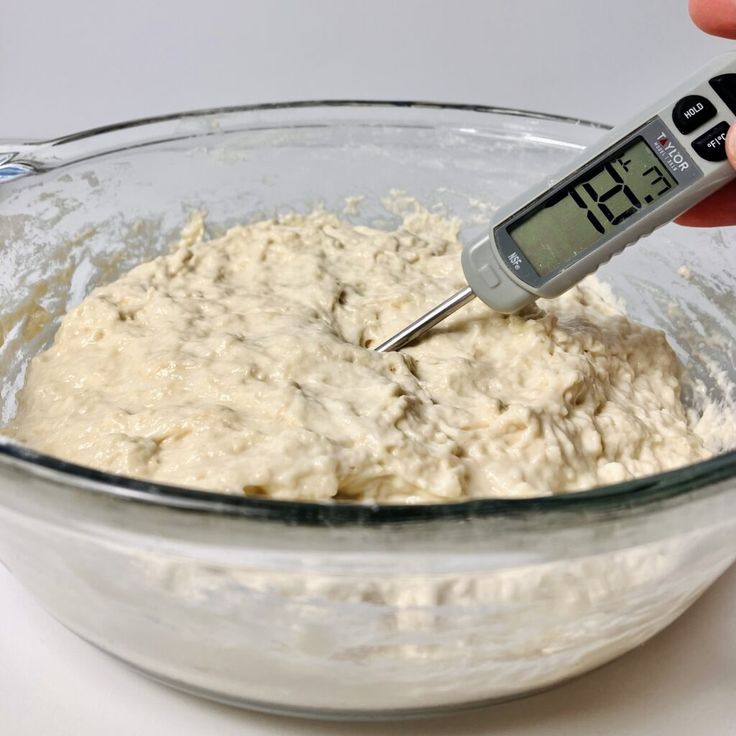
(427, 321)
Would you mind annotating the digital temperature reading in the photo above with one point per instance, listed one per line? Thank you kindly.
(592, 207)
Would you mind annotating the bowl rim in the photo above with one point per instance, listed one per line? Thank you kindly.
(637, 494)
(101, 130)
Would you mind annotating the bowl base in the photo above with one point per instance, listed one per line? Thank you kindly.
(329, 714)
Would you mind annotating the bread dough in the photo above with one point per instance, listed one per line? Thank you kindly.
(243, 364)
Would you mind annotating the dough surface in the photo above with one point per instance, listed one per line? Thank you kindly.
(240, 364)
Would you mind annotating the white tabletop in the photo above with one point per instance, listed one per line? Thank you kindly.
(70, 65)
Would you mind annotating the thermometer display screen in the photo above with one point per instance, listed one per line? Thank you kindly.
(592, 207)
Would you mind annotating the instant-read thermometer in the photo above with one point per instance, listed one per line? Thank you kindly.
(640, 176)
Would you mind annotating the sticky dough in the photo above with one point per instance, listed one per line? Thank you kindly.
(243, 364)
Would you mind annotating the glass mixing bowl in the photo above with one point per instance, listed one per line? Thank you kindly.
(343, 610)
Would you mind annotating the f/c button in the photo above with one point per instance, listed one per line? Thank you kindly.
(712, 144)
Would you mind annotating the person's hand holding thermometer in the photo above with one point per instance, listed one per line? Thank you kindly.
(717, 17)
(641, 175)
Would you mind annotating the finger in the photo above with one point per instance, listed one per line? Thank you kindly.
(717, 17)
(731, 145)
(720, 208)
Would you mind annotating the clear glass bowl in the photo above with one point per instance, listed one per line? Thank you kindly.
(343, 610)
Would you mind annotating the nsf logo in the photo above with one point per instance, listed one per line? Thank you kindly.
(515, 260)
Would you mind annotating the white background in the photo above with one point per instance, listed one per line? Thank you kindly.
(68, 65)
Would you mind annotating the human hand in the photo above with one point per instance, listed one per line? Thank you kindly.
(717, 17)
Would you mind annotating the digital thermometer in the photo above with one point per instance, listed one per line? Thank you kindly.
(640, 176)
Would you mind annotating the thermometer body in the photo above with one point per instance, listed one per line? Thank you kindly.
(641, 175)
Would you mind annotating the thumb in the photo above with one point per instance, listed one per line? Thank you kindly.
(731, 145)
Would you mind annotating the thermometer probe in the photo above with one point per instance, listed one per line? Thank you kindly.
(641, 175)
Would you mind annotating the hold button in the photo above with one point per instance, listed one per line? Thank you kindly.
(712, 144)
(691, 112)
